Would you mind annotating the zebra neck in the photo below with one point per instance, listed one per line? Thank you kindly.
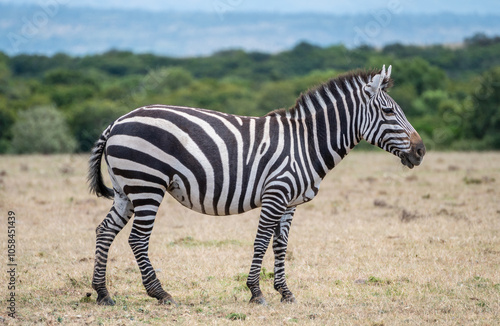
(331, 126)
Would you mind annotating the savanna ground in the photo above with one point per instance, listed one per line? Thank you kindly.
(380, 245)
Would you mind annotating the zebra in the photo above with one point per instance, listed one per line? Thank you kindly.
(222, 164)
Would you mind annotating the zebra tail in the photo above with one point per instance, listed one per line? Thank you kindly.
(94, 178)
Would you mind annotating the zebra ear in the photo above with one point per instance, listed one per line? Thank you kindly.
(373, 85)
(379, 81)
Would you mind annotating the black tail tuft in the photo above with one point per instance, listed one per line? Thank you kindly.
(96, 183)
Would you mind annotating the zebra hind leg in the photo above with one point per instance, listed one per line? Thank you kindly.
(145, 214)
(280, 243)
(118, 216)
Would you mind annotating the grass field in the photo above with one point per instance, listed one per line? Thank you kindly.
(380, 245)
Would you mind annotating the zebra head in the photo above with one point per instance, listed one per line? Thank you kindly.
(386, 125)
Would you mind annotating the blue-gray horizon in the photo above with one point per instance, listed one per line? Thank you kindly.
(59, 26)
(283, 6)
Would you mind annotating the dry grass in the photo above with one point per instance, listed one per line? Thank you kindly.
(380, 245)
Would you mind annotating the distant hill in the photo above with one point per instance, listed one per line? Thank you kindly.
(55, 28)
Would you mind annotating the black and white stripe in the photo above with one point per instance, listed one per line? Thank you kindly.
(221, 164)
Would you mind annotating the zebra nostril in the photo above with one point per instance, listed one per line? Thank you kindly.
(420, 151)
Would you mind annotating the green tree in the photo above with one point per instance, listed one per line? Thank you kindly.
(69, 86)
(275, 96)
(404, 95)
(4, 73)
(115, 63)
(66, 77)
(89, 119)
(428, 103)
(419, 73)
(42, 130)
(6, 122)
(172, 78)
(440, 117)
(65, 96)
(484, 121)
(313, 79)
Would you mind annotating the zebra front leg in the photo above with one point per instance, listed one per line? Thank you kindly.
(269, 219)
(117, 218)
(139, 242)
(280, 243)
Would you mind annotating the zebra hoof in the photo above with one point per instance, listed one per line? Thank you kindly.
(105, 301)
(168, 300)
(258, 300)
(288, 299)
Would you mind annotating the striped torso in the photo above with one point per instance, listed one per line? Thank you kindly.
(211, 162)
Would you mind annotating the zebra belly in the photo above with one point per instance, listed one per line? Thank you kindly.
(177, 190)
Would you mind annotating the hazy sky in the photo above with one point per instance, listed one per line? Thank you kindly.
(287, 6)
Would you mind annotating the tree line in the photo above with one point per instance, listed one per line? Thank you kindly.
(60, 103)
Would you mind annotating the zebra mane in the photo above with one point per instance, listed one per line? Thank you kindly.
(340, 81)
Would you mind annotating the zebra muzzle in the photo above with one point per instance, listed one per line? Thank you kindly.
(416, 154)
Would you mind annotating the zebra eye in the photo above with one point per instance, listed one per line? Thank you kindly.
(387, 109)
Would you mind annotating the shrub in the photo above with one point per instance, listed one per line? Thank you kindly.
(41, 130)
(89, 119)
